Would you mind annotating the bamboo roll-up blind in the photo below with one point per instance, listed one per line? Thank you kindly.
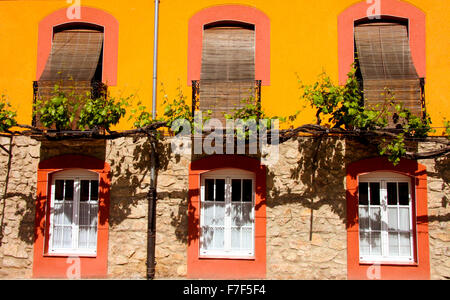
(72, 64)
(385, 62)
(74, 56)
(228, 69)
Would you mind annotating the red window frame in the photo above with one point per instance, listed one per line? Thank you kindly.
(88, 15)
(226, 268)
(47, 265)
(389, 8)
(421, 268)
(238, 13)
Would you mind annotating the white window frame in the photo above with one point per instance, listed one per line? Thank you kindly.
(77, 176)
(383, 178)
(227, 252)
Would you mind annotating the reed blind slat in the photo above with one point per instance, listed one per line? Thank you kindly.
(385, 62)
(228, 69)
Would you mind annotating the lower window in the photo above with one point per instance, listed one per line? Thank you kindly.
(227, 214)
(74, 213)
(385, 218)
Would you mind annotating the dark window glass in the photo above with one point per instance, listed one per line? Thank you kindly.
(403, 193)
(220, 190)
(363, 193)
(69, 190)
(374, 193)
(209, 189)
(84, 193)
(247, 190)
(59, 189)
(236, 190)
(94, 190)
(392, 193)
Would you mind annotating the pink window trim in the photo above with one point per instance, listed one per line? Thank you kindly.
(238, 13)
(393, 8)
(88, 15)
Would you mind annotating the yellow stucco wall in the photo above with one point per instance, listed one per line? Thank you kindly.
(303, 41)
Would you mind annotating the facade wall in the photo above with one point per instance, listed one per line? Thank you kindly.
(306, 227)
(296, 51)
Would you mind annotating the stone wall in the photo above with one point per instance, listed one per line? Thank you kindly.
(306, 207)
(438, 172)
(17, 207)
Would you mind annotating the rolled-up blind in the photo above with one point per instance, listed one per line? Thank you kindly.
(385, 62)
(228, 69)
(74, 56)
(73, 62)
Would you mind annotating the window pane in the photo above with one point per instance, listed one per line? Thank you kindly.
(208, 213)
(93, 215)
(219, 240)
(403, 193)
(68, 213)
(364, 242)
(405, 244)
(235, 238)
(375, 243)
(247, 217)
(69, 190)
(207, 237)
(57, 236)
(220, 190)
(84, 214)
(83, 237)
(393, 244)
(58, 214)
(92, 238)
(236, 214)
(67, 237)
(94, 190)
(363, 193)
(236, 190)
(404, 218)
(209, 189)
(375, 218)
(247, 237)
(375, 193)
(84, 193)
(247, 192)
(392, 193)
(219, 215)
(363, 218)
(392, 218)
(59, 190)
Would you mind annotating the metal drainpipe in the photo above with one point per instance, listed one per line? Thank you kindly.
(152, 196)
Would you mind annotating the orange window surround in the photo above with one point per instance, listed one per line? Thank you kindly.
(57, 266)
(226, 268)
(420, 269)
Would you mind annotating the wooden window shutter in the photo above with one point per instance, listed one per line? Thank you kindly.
(385, 61)
(74, 59)
(228, 69)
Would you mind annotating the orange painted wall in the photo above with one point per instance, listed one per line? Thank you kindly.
(303, 42)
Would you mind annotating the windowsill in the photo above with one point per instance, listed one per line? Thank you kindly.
(389, 263)
(65, 254)
(226, 257)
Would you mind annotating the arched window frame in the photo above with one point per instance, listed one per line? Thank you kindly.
(88, 16)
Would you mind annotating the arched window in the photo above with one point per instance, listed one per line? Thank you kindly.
(385, 213)
(387, 220)
(227, 76)
(227, 217)
(74, 205)
(384, 60)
